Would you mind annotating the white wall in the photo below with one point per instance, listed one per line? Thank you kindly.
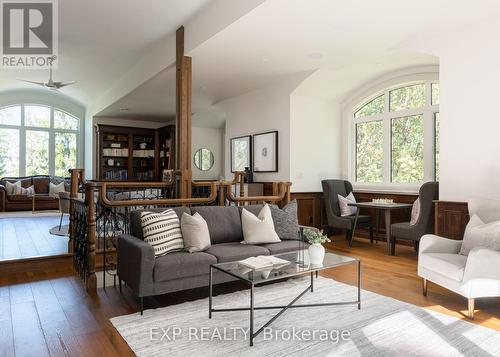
(470, 125)
(212, 139)
(315, 142)
(261, 111)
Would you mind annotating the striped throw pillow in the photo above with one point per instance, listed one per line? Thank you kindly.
(162, 231)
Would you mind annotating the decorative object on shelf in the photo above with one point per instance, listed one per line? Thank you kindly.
(265, 152)
(143, 145)
(241, 153)
(248, 175)
(111, 162)
(115, 145)
(316, 249)
(204, 159)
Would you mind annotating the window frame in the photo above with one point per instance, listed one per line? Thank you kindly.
(51, 131)
(427, 111)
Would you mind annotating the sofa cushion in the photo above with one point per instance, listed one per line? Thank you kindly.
(480, 234)
(181, 265)
(162, 231)
(224, 223)
(228, 252)
(135, 218)
(195, 233)
(41, 184)
(285, 219)
(258, 229)
(286, 223)
(284, 246)
(449, 265)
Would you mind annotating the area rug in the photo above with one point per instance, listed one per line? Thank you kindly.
(64, 231)
(383, 327)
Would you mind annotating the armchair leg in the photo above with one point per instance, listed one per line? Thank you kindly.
(347, 235)
(424, 287)
(371, 235)
(471, 308)
(60, 220)
(393, 246)
(142, 304)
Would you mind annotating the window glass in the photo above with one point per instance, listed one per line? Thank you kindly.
(408, 97)
(376, 106)
(37, 116)
(9, 152)
(65, 121)
(435, 93)
(65, 158)
(369, 152)
(436, 146)
(10, 115)
(407, 143)
(37, 152)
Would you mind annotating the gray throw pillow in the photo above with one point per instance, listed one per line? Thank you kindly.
(285, 220)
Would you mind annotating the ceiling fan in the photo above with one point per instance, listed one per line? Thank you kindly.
(50, 84)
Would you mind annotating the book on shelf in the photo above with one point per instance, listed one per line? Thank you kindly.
(263, 262)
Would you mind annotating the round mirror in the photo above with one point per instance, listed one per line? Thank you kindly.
(204, 159)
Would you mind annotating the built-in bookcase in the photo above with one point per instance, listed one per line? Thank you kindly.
(134, 154)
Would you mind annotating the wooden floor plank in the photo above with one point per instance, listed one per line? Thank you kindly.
(29, 339)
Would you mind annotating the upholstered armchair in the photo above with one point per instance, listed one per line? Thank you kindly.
(473, 276)
(332, 188)
(428, 192)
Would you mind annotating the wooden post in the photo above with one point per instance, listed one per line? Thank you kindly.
(91, 279)
(76, 176)
(183, 114)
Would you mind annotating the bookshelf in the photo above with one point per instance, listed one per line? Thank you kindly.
(134, 154)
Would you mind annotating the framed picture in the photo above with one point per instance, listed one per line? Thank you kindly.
(265, 152)
(241, 153)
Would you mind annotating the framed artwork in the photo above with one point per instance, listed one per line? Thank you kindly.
(241, 153)
(265, 152)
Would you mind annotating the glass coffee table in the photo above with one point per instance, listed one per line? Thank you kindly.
(298, 266)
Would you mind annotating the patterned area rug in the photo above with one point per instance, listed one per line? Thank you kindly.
(383, 327)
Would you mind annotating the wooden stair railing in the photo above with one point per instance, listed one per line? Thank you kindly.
(84, 213)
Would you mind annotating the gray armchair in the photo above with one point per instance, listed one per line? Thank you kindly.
(428, 192)
(332, 188)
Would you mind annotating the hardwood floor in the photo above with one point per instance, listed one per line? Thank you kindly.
(26, 237)
(46, 313)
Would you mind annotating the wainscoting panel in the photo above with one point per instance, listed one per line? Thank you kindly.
(451, 219)
(310, 209)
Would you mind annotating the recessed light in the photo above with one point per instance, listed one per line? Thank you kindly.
(124, 109)
(315, 55)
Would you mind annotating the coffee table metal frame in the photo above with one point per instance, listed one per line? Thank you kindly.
(312, 271)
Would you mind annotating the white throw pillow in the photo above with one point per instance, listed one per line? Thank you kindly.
(415, 212)
(55, 189)
(260, 229)
(162, 231)
(195, 233)
(479, 234)
(30, 191)
(345, 209)
(13, 188)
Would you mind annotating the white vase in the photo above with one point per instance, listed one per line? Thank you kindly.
(316, 254)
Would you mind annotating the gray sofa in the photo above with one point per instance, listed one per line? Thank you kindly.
(148, 276)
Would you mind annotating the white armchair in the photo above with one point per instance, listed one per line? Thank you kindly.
(473, 276)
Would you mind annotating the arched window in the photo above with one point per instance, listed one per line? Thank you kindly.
(37, 140)
(396, 135)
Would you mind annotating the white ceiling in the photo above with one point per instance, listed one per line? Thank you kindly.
(100, 40)
(345, 43)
